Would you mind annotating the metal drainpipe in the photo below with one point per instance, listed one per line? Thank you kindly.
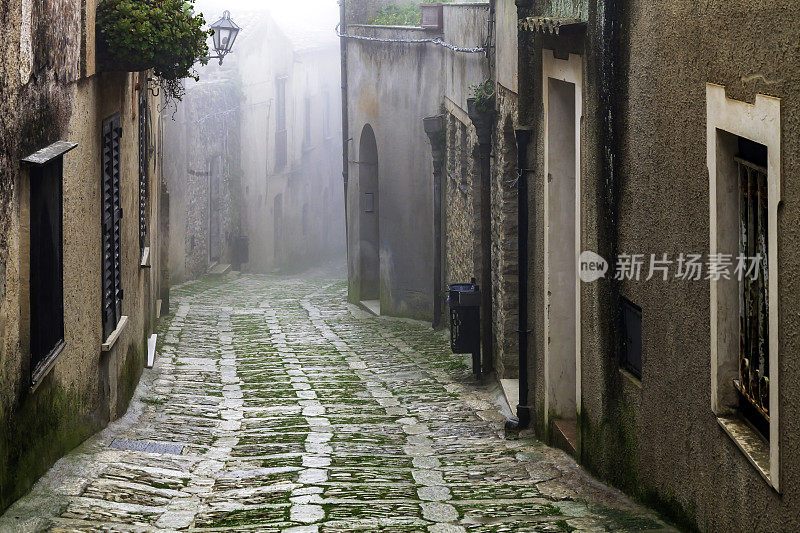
(345, 123)
(523, 409)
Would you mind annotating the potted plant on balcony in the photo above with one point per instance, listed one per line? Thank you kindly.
(163, 35)
(433, 14)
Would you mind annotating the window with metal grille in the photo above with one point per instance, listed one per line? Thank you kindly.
(280, 123)
(753, 383)
(144, 169)
(631, 359)
(46, 267)
(112, 225)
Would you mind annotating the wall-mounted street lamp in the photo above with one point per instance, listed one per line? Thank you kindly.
(225, 33)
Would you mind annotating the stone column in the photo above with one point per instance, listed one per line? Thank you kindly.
(483, 118)
(434, 127)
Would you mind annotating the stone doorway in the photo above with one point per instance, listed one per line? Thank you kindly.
(562, 96)
(369, 232)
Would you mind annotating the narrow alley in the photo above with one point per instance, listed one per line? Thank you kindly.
(274, 405)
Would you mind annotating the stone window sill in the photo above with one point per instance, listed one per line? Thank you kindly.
(630, 378)
(112, 339)
(145, 262)
(750, 443)
(47, 366)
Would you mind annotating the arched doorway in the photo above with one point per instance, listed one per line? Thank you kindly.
(369, 237)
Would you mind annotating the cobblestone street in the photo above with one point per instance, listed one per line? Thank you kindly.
(275, 406)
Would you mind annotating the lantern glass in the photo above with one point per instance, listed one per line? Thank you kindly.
(225, 33)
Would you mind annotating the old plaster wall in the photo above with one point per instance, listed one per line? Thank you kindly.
(507, 54)
(392, 87)
(664, 184)
(658, 439)
(45, 99)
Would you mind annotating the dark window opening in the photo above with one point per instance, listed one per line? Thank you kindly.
(144, 170)
(631, 359)
(46, 267)
(112, 225)
(281, 147)
(753, 383)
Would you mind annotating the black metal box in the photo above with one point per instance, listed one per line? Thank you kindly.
(464, 300)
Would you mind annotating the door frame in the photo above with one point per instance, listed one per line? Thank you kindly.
(571, 71)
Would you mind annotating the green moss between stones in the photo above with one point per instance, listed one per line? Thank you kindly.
(563, 526)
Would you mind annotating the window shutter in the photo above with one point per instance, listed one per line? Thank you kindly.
(143, 170)
(112, 225)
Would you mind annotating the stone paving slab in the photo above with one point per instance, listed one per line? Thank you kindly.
(293, 411)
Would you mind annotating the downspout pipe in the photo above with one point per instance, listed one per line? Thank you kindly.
(523, 408)
(345, 122)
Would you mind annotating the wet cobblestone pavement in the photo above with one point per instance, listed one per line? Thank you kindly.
(297, 412)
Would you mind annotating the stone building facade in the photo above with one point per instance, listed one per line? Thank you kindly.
(390, 73)
(442, 80)
(293, 200)
(203, 172)
(618, 128)
(639, 114)
(79, 282)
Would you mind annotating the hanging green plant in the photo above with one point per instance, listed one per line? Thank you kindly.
(483, 93)
(165, 35)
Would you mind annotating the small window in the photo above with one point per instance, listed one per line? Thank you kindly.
(631, 359)
(46, 266)
(111, 226)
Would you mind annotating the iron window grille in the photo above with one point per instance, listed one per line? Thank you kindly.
(144, 169)
(753, 384)
(111, 225)
(631, 356)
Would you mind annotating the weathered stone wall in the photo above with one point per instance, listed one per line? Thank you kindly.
(505, 280)
(203, 138)
(45, 96)
(461, 209)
